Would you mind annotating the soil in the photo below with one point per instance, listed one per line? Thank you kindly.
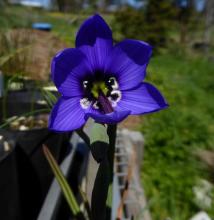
(34, 60)
(207, 156)
(28, 123)
(45, 47)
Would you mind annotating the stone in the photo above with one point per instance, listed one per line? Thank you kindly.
(201, 216)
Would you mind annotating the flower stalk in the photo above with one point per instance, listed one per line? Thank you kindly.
(112, 132)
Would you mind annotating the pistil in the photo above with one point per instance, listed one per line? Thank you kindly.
(105, 104)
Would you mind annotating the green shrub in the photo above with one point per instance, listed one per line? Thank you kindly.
(174, 135)
(150, 24)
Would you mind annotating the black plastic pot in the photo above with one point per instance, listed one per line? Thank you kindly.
(9, 191)
(20, 102)
(25, 175)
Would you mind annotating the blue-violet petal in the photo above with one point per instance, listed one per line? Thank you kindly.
(144, 99)
(127, 62)
(94, 38)
(68, 68)
(67, 115)
(110, 118)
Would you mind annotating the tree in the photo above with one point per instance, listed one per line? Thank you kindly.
(209, 20)
(186, 11)
(158, 17)
(69, 5)
(151, 23)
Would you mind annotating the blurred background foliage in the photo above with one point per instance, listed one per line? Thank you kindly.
(181, 67)
(150, 23)
(174, 137)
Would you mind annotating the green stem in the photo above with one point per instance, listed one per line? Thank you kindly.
(112, 133)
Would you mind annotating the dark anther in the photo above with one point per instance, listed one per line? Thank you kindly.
(111, 83)
(87, 85)
(115, 96)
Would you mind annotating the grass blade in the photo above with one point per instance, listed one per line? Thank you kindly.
(4, 59)
(49, 97)
(69, 196)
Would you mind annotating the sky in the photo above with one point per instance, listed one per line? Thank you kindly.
(135, 3)
(200, 4)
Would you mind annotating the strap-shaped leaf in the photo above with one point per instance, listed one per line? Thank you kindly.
(99, 142)
(98, 133)
(49, 97)
(112, 133)
(62, 182)
(100, 191)
(99, 147)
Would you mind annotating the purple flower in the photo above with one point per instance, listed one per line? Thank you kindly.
(100, 80)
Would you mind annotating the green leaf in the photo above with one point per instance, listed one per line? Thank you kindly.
(69, 196)
(99, 142)
(99, 133)
(112, 133)
(100, 191)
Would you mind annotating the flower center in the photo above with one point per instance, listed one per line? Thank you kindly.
(99, 87)
(101, 94)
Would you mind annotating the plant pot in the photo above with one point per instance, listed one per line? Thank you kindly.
(25, 171)
(9, 188)
(20, 102)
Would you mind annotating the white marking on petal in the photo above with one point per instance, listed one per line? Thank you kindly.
(115, 92)
(113, 103)
(113, 82)
(85, 103)
(85, 84)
